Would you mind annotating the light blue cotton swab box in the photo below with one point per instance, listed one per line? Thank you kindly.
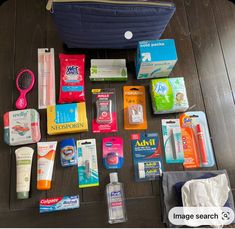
(155, 58)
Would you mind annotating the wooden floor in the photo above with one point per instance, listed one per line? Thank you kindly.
(204, 31)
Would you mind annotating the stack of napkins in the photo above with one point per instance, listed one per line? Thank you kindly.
(108, 70)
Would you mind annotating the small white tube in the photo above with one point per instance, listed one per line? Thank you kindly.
(24, 157)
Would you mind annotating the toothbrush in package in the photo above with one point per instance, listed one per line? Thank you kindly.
(88, 175)
(172, 137)
(46, 78)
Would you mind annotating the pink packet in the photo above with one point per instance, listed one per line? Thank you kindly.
(113, 152)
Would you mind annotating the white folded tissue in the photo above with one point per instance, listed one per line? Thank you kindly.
(211, 192)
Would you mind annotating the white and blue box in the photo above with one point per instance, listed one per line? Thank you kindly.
(155, 58)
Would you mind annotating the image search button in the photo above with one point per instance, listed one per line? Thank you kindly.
(201, 216)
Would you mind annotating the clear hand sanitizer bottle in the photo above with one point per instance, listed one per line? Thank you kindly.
(116, 201)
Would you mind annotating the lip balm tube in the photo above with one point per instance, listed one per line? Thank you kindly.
(24, 157)
(46, 158)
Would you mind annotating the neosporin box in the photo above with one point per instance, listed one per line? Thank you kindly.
(66, 118)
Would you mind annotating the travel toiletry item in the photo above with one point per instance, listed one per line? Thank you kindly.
(198, 151)
(112, 24)
(113, 152)
(147, 159)
(201, 144)
(45, 164)
(168, 95)
(104, 114)
(108, 70)
(88, 175)
(155, 58)
(135, 117)
(24, 82)
(115, 200)
(66, 118)
(21, 127)
(46, 78)
(72, 78)
(59, 203)
(172, 138)
(212, 191)
(68, 152)
(24, 157)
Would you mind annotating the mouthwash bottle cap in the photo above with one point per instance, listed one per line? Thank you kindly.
(113, 177)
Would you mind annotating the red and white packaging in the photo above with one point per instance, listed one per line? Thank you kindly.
(72, 78)
(104, 115)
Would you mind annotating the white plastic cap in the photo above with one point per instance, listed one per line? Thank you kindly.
(141, 174)
(113, 177)
(141, 166)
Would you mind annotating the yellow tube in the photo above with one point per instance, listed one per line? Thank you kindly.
(46, 157)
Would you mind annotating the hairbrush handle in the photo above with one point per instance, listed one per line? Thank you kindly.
(21, 102)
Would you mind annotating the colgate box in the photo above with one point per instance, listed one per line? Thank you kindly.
(59, 204)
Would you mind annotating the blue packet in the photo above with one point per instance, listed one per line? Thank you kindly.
(59, 204)
(147, 154)
(68, 152)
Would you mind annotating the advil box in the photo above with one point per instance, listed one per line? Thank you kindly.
(155, 58)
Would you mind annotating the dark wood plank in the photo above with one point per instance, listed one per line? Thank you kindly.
(141, 212)
(65, 180)
(132, 188)
(214, 81)
(7, 52)
(30, 35)
(94, 193)
(224, 13)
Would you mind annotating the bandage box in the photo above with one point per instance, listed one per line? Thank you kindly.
(66, 118)
(155, 58)
(108, 70)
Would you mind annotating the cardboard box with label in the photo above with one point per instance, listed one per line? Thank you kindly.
(155, 58)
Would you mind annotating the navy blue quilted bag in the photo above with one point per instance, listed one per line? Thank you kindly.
(110, 23)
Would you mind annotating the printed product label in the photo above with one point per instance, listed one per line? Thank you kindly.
(45, 162)
(20, 127)
(59, 203)
(116, 204)
(72, 74)
(23, 168)
(66, 113)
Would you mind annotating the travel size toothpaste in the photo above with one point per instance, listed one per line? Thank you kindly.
(59, 203)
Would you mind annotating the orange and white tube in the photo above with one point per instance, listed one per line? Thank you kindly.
(45, 164)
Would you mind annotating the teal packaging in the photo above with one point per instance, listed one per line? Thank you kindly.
(155, 58)
(147, 159)
(68, 152)
(168, 95)
(172, 139)
(87, 163)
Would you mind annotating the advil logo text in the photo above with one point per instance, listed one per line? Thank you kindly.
(151, 142)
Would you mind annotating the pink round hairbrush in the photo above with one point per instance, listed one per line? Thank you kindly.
(24, 83)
